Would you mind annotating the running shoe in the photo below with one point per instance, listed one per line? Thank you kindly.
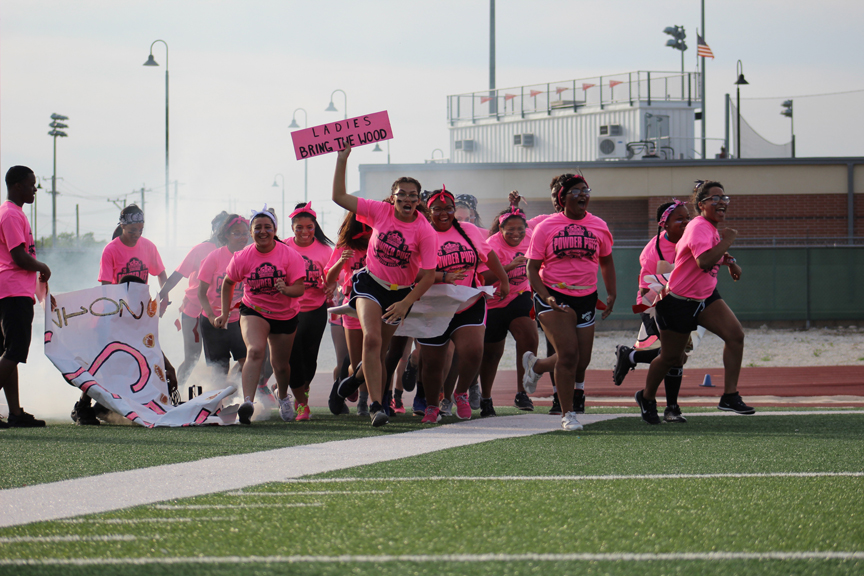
(335, 402)
(303, 414)
(431, 416)
(353, 396)
(409, 376)
(25, 420)
(474, 396)
(286, 407)
(486, 408)
(379, 415)
(523, 402)
(387, 402)
(530, 379)
(3, 423)
(648, 408)
(728, 402)
(363, 404)
(244, 413)
(446, 407)
(579, 402)
(623, 365)
(396, 404)
(269, 399)
(569, 422)
(555, 410)
(81, 415)
(463, 407)
(419, 405)
(673, 414)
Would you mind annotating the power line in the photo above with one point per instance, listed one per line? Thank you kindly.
(805, 95)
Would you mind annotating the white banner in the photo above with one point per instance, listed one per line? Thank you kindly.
(105, 341)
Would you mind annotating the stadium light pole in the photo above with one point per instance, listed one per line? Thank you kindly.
(787, 111)
(738, 83)
(332, 108)
(152, 62)
(677, 42)
(276, 185)
(305, 161)
(57, 127)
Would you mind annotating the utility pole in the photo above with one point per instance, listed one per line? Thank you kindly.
(56, 131)
(77, 227)
(142, 191)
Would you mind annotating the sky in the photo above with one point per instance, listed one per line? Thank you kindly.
(238, 70)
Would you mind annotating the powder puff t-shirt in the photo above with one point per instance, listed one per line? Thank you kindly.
(259, 272)
(213, 270)
(518, 276)
(649, 258)
(355, 263)
(189, 269)
(141, 260)
(455, 253)
(397, 250)
(570, 251)
(688, 279)
(315, 256)
(15, 231)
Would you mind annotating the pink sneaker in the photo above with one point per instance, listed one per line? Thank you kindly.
(432, 416)
(463, 407)
(302, 412)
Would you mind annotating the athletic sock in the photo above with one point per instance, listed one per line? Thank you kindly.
(672, 383)
(644, 356)
(397, 395)
(375, 407)
(421, 392)
(579, 386)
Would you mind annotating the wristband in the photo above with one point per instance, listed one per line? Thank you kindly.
(444, 276)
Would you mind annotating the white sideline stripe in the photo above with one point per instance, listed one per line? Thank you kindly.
(584, 477)
(464, 558)
(143, 520)
(72, 538)
(112, 491)
(233, 506)
(311, 493)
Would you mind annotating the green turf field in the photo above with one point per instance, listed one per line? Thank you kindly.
(718, 495)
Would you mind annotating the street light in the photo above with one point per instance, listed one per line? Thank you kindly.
(738, 83)
(378, 149)
(787, 111)
(276, 185)
(677, 42)
(305, 161)
(332, 108)
(152, 62)
(57, 127)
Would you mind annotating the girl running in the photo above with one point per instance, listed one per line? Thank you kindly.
(693, 300)
(273, 277)
(221, 344)
(509, 239)
(569, 247)
(400, 267)
(315, 247)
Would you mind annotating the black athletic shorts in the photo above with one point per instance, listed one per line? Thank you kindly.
(221, 344)
(498, 319)
(16, 327)
(475, 315)
(364, 286)
(682, 315)
(584, 306)
(276, 326)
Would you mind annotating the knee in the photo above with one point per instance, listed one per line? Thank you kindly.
(372, 343)
(735, 338)
(255, 354)
(568, 359)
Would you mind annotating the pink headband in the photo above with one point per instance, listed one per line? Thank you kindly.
(513, 211)
(442, 194)
(668, 212)
(235, 221)
(307, 208)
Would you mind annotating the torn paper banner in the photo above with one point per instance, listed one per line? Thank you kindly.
(431, 315)
(105, 341)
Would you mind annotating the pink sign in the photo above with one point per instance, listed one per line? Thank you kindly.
(366, 129)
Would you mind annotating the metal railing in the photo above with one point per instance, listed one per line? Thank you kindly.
(627, 87)
(627, 240)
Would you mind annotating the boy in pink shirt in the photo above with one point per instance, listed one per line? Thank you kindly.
(18, 275)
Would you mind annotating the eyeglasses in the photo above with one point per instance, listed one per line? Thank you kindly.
(410, 197)
(586, 192)
(717, 199)
(440, 209)
(236, 234)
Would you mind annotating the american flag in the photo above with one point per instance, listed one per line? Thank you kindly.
(702, 49)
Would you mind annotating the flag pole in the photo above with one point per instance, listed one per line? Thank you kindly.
(704, 38)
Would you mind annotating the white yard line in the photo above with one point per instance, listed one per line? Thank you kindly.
(73, 538)
(456, 558)
(233, 506)
(144, 520)
(118, 490)
(309, 493)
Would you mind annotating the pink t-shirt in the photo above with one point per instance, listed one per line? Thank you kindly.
(534, 222)
(649, 258)
(212, 272)
(518, 276)
(141, 260)
(316, 256)
(259, 271)
(570, 251)
(688, 279)
(397, 250)
(357, 262)
(455, 253)
(189, 269)
(15, 231)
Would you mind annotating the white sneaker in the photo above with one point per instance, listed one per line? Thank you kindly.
(286, 407)
(446, 406)
(530, 379)
(569, 422)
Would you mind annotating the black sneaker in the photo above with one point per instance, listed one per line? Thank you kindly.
(3, 423)
(409, 376)
(555, 410)
(244, 413)
(84, 415)
(386, 403)
(579, 402)
(623, 365)
(733, 403)
(335, 402)
(673, 414)
(648, 409)
(487, 409)
(378, 414)
(25, 420)
(522, 402)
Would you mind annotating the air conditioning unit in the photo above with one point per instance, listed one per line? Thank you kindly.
(611, 147)
(465, 145)
(524, 140)
(611, 130)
